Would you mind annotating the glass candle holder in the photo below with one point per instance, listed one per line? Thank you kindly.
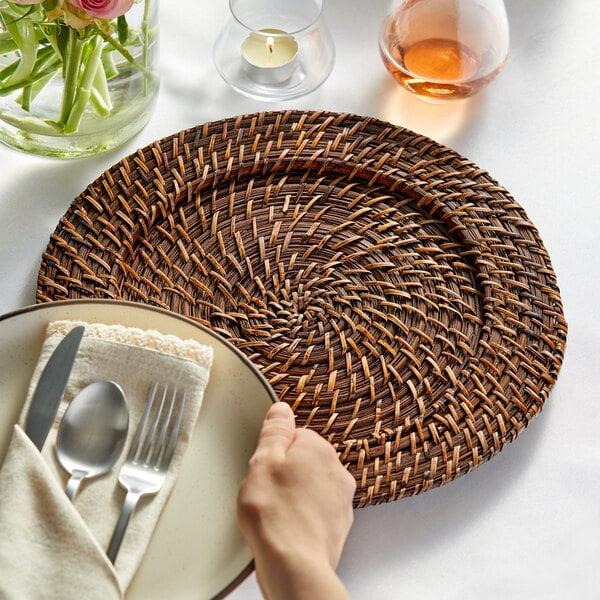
(445, 49)
(274, 49)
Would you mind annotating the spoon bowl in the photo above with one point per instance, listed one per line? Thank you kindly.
(92, 432)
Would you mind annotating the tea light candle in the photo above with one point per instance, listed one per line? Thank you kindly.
(269, 56)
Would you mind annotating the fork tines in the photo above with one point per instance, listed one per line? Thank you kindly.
(160, 410)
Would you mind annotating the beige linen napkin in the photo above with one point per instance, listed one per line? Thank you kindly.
(50, 548)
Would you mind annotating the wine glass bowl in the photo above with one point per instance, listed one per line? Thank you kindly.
(445, 49)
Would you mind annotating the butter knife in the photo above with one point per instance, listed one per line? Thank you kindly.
(51, 386)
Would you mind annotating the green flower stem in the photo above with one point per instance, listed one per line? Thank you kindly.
(84, 89)
(108, 63)
(72, 65)
(145, 43)
(25, 98)
(123, 51)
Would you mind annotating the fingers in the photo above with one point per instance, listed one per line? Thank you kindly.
(278, 430)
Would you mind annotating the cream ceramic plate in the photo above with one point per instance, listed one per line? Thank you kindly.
(197, 551)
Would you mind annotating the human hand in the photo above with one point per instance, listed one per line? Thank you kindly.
(295, 510)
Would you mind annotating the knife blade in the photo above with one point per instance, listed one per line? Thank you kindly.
(51, 386)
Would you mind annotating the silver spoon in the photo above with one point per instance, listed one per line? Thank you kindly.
(92, 432)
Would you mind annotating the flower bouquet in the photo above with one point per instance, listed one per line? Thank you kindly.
(76, 76)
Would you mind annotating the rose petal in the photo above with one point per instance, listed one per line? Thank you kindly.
(103, 9)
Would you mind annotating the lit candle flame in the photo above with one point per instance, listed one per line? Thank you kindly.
(270, 44)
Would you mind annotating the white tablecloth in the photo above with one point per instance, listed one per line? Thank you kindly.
(527, 524)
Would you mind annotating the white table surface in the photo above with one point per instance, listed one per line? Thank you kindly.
(526, 524)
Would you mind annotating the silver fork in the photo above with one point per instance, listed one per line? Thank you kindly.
(145, 468)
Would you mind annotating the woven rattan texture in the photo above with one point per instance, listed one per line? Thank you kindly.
(391, 291)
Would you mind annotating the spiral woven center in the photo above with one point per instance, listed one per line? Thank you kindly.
(345, 297)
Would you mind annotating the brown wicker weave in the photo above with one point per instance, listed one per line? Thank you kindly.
(391, 291)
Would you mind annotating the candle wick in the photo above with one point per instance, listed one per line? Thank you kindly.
(271, 49)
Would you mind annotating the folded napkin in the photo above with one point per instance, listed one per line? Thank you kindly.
(52, 548)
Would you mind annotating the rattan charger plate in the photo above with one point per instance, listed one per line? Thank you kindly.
(391, 291)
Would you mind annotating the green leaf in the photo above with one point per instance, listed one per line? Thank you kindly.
(122, 29)
(35, 88)
(23, 34)
(5, 90)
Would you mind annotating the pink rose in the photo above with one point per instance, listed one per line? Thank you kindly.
(102, 9)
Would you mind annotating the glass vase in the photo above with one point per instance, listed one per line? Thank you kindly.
(445, 49)
(72, 88)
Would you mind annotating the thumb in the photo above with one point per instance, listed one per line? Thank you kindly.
(278, 429)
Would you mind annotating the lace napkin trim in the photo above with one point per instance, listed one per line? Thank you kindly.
(149, 339)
